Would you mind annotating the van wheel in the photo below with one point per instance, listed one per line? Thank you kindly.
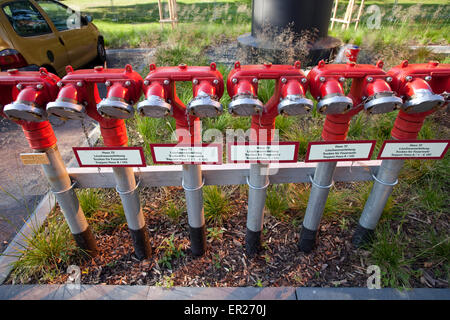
(101, 51)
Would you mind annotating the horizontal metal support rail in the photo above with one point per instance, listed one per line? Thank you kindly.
(225, 174)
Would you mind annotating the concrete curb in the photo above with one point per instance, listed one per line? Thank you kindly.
(37, 218)
(35, 221)
(124, 292)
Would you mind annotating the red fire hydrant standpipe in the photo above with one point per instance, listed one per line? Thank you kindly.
(24, 96)
(424, 88)
(287, 99)
(78, 96)
(162, 100)
(370, 91)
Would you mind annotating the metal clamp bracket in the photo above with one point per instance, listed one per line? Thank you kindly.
(192, 189)
(129, 191)
(256, 188)
(384, 183)
(64, 191)
(318, 185)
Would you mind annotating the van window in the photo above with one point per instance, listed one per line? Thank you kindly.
(62, 17)
(25, 19)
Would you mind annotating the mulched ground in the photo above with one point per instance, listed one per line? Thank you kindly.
(333, 262)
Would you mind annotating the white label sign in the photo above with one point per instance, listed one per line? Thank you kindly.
(342, 151)
(244, 153)
(413, 150)
(177, 154)
(110, 157)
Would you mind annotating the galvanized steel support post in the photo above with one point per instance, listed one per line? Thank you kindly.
(192, 185)
(62, 188)
(258, 181)
(384, 181)
(128, 191)
(321, 184)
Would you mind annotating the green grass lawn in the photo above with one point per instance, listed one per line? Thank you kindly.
(134, 23)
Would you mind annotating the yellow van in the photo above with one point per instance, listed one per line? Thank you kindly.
(46, 33)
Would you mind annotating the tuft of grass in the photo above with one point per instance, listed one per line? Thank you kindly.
(173, 211)
(112, 219)
(436, 247)
(46, 253)
(303, 130)
(220, 123)
(265, 90)
(388, 252)
(240, 123)
(216, 204)
(277, 202)
(90, 201)
(433, 198)
(284, 124)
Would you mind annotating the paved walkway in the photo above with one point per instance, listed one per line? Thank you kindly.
(106, 292)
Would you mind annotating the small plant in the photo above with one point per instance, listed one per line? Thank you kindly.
(343, 223)
(167, 282)
(215, 233)
(259, 283)
(277, 202)
(173, 211)
(216, 261)
(216, 204)
(90, 201)
(171, 252)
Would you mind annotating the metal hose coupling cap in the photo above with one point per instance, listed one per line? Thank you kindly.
(154, 107)
(334, 104)
(294, 105)
(204, 106)
(66, 109)
(114, 107)
(423, 100)
(382, 102)
(25, 111)
(245, 105)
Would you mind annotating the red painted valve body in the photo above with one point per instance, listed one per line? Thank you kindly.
(161, 82)
(40, 135)
(327, 79)
(288, 82)
(80, 86)
(407, 125)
